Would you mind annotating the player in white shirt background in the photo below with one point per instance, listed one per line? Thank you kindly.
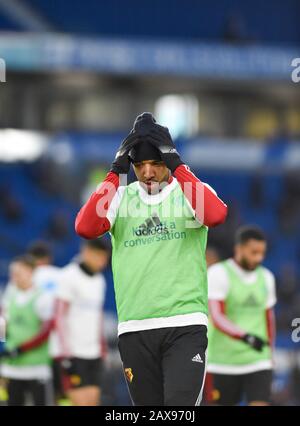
(45, 274)
(79, 322)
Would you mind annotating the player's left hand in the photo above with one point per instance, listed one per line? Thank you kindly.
(160, 137)
(121, 163)
(254, 341)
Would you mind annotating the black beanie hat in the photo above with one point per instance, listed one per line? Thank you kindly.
(144, 151)
(144, 122)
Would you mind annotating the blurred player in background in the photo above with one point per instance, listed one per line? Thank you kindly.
(45, 273)
(79, 322)
(158, 264)
(46, 278)
(242, 329)
(212, 256)
(29, 321)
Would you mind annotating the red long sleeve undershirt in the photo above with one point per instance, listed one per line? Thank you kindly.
(217, 310)
(39, 338)
(102, 339)
(271, 327)
(92, 223)
(221, 322)
(61, 309)
(209, 208)
(89, 223)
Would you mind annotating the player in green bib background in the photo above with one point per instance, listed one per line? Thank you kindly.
(241, 327)
(25, 359)
(158, 226)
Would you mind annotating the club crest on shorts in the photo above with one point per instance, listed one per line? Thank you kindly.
(75, 379)
(128, 374)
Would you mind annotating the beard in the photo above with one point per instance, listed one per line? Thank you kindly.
(153, 186)
(248, 266)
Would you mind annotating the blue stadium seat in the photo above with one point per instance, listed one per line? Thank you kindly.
(173, 18)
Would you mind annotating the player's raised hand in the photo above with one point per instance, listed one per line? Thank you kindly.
(121, 163)
(160, 137)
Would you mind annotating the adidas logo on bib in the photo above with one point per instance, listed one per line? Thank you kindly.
(151, 226)
(197, 358)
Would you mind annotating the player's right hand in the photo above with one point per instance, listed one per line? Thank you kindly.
(121, 163)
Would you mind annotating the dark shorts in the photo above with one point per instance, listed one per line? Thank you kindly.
(227, 389)
(39, 392)
(82, 372)
(166, 366)
(58, 378)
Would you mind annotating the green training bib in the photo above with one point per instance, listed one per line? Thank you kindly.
(158, 259)
(246, 308)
